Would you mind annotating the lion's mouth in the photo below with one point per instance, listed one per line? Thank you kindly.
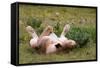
(58, 45)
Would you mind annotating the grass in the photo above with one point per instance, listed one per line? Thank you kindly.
(29, 55)
(82, 21)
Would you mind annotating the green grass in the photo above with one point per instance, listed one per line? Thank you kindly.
(39, 17)
(29, 55)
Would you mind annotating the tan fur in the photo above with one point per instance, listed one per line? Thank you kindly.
(47, 31)
(67, 43)
(33, 40)
(44, 42)
(64, 41)
(44, 39)
(48, 42)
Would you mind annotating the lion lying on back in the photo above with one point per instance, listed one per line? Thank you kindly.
(48, 42)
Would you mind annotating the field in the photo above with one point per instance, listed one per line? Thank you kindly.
(83, 31)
